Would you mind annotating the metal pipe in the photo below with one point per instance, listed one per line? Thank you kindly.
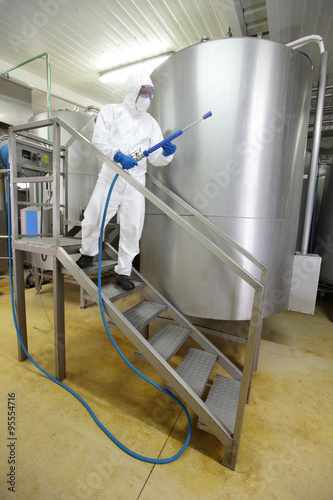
(305, 40)
(56, 185)
(25, 62)
(314, 154)
(327, 123)
(328, 110)
(326, 95)
(48, 122)
(13, 187)
(48, 95)
(47, 72)
(315, 87)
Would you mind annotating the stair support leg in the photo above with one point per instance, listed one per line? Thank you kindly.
(230, 456)
(59, 320)
(83, 300)
(38, 280)
(256, 358)
(20, 302)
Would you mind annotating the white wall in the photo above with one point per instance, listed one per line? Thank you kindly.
(15, 103)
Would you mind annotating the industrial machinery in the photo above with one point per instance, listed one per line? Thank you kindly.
(82, 166)
(242, 170)
(81, 170)
(33, 158)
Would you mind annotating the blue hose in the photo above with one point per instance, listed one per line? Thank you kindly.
(97, 421)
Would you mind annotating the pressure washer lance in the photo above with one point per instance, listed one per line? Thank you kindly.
(138, 155)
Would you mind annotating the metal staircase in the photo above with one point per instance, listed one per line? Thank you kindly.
(189, 379)
(222, 412)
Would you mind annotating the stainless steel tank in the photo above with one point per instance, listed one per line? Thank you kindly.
(82, 166)
(324, 241)
(242, 168)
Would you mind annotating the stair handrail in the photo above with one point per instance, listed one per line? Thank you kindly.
(202, 239)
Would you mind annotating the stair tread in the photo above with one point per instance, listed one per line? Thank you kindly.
(142, 314)
(167, 340)
(222, 400)
(106, 265)
(113, 291)
(195, 369)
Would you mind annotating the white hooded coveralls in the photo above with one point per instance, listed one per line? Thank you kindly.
(121, 127)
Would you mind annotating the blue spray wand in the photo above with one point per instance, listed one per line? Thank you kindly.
(138, 155)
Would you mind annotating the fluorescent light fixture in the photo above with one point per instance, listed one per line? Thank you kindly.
(121, 72)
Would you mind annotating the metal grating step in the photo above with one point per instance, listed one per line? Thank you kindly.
(167, 341)
(195, 369)
(106, 265)
(142, 314)
(113, 291)
(223, 401)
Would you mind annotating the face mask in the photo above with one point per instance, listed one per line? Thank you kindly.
(142, 104)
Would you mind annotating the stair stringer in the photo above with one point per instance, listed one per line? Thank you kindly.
(166, 371)
(152, 293)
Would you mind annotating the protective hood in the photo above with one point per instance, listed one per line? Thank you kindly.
(133, 85)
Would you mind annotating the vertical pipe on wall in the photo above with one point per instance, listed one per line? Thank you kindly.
(48, 90)
(315, 154)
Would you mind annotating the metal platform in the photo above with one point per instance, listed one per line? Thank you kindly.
(46, 245)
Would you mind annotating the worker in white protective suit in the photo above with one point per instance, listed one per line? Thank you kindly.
(121, 129)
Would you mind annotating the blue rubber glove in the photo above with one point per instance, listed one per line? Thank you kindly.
(125, 161)
(168, 149)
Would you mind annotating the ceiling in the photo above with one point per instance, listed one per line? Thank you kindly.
(83, 38)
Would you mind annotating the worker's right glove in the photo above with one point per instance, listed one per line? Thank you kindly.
(125, 161)
(169, 149)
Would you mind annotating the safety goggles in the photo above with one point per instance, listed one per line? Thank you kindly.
(147, 91)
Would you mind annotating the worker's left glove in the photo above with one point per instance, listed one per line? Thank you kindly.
(125, 161)
(168, 149)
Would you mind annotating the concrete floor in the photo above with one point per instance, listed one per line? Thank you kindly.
(286, 448)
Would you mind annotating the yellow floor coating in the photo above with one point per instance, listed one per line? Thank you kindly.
(286, 447)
